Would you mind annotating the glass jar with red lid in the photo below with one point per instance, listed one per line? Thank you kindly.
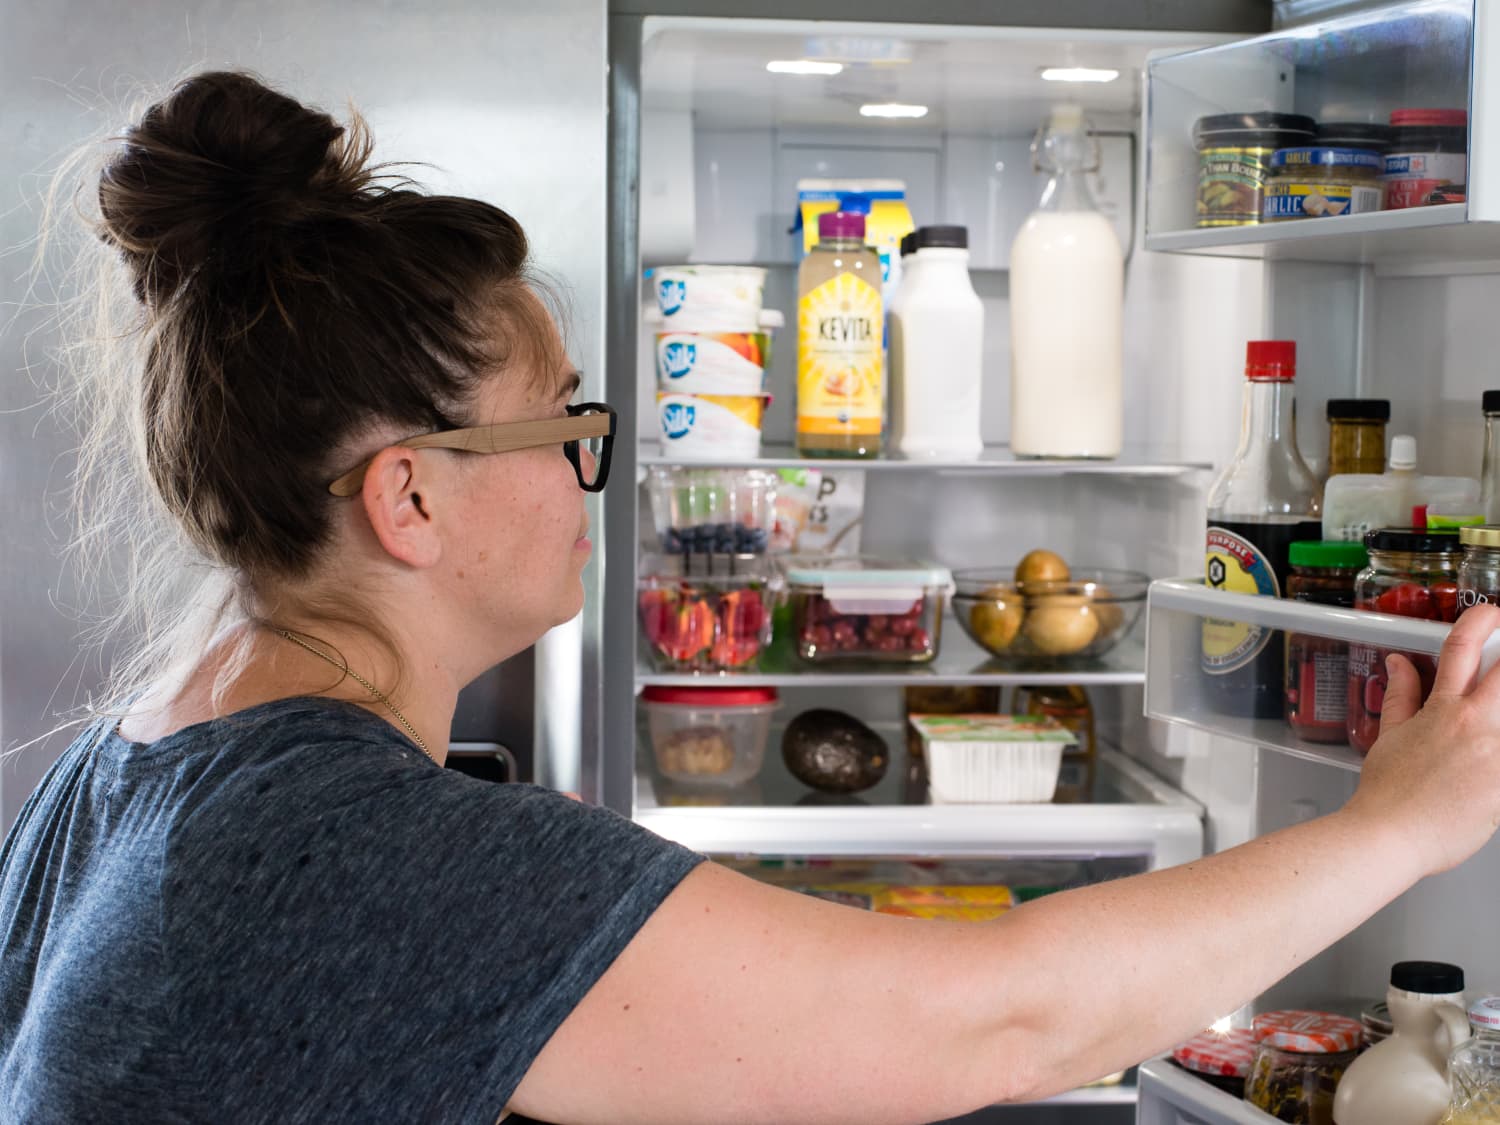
(1299, 1059)
(1411, 574)
(1317, 668)
(1220, 1058)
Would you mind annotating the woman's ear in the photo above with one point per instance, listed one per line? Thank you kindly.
(400, 495)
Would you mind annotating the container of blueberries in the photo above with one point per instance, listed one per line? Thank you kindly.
(712, 511)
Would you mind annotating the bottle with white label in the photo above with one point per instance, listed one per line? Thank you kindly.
(1265, 500)
(1067, 299)
(937, 348)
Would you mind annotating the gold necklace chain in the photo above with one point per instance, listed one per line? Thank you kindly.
(379, 695)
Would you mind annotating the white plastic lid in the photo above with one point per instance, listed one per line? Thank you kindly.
(1486, 1013)
(1403, 452)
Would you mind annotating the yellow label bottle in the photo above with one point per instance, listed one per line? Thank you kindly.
(840, 327)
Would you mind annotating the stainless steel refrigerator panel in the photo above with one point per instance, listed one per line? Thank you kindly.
(503, 101)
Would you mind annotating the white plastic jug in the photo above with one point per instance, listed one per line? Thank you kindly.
(1404, 1080)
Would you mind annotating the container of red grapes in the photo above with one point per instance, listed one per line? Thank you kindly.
(862, 609)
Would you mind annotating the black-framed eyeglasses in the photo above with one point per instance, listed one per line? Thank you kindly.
(589, 427)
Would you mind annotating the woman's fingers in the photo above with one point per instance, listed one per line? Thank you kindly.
(1403, 692)
(1458, 663)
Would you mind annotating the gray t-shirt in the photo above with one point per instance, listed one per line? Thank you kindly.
(291, 914)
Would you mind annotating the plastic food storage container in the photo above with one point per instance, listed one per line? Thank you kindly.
(712, 511)
(710, 427)
(715, 363)
(1051, 621)
(710, 298)
(992, 758)
(706, 615)
(1299, 1059)
(708, 736)
(858, 607)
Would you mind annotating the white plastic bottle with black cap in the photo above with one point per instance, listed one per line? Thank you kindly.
(1403, 1080)
(937, 350)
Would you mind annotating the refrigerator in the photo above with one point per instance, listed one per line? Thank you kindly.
(707, 148)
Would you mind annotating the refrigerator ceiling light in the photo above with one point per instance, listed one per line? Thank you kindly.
(892, 109)
(1078, 74)
(803, 66)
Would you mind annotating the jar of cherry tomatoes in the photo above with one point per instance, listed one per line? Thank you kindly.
(1411, 574)
(1317, 668)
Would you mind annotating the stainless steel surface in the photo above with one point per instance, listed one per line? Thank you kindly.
(506, 102)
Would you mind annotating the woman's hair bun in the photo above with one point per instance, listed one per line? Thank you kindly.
(214, 174)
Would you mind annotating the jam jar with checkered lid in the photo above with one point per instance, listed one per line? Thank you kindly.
(1220, 1058)
(1299, 1059)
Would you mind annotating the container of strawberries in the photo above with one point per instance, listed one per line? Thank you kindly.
(707, 613)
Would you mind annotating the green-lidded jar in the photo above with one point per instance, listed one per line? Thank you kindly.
(1317, 668)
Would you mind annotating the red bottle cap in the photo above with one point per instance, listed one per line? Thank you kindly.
(1430, 117)
(1274, 360)
(841, 224)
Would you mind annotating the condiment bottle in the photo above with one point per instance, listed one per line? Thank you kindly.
(1474, 1069)
(1489, 474)
(1265, 500)
(1411, 574)
(1317, 668)
(1404, 1080)
(840, 330)
(1069, 705)
(1300, 1059)
(1356, 435)
(1067, 301)
(937, 349)
(1402, 469)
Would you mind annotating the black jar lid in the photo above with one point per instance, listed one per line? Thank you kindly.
(1274, 130)
(1429, 978)
(1491, 402)
(1355, 134)
(1412, 542)
(942, 238)
(1361, 409)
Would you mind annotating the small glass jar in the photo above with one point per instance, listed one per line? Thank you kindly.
(1220, 1058)
(1356, 435)
(1300, 1058)
(1317, 668)
(1321, 183)
(1474, 1069)
(1411, 574)
(1479, 573)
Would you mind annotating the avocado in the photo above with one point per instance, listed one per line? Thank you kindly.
(833, 752)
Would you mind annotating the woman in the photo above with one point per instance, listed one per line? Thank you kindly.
(256, 896)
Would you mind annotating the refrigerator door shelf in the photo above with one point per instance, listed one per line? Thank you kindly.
(1172, 1096)
(1176, 686)
(1135, 814)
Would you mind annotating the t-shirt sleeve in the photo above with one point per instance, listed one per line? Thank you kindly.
(402, 951)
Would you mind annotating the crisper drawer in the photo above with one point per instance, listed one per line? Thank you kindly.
(1171, 1096)
(1179, 690)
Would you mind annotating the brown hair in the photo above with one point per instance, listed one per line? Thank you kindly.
(288, 296)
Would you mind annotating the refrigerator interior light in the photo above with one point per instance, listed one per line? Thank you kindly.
(892, 109)
(1078, 74)
(803, 66)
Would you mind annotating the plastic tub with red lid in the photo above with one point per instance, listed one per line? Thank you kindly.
(709, 736)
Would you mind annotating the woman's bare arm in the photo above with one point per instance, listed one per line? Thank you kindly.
(741, 1002)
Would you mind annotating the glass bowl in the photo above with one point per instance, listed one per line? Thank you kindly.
(1041, 622)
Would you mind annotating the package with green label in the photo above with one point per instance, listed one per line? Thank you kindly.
(974, 759)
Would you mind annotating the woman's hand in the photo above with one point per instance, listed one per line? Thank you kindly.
(1434, 773)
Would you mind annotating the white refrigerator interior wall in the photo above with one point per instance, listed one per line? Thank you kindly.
(504, 102)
